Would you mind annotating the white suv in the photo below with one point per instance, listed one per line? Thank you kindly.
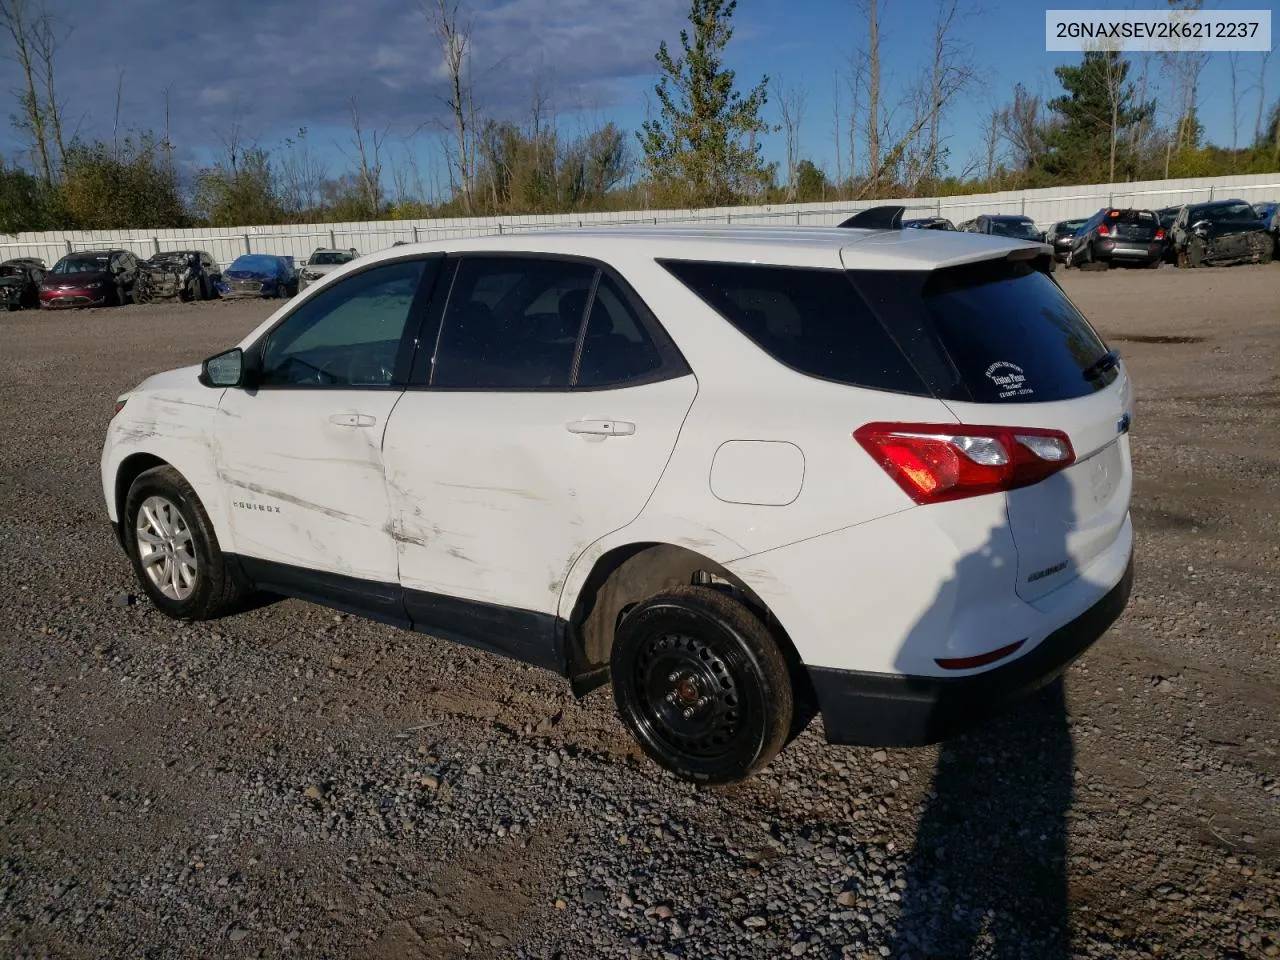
(733, 471)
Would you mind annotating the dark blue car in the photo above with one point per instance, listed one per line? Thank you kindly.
(259, 275)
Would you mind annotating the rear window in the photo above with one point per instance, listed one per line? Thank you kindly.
(1012, 334)
(812, 320)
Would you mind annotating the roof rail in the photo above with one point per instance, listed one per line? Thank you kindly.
(888, 217)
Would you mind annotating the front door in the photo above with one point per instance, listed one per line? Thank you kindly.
(300, 454)
(544, 423)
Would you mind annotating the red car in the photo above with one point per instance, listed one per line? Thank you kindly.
(90, 278)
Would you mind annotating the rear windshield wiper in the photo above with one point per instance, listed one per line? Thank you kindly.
(1101, 365)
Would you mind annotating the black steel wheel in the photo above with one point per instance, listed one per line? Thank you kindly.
(701, 685)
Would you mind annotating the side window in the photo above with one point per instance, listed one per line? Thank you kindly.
(512, 323)
(811, 320)
(348, 335)
(616, 348)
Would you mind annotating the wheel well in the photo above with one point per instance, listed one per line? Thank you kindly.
(628, 575)
(131, 468)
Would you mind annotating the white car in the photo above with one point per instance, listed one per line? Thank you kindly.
(322, 261)
(730, 471)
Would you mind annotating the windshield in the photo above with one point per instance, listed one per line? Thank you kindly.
(81, 265)
(329, 258)
(1069, 226)
(10, 270)
(1020, 229)
(256, 263)
(1223, 213)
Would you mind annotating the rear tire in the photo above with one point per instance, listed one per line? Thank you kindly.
(174, 551)
(700, 683)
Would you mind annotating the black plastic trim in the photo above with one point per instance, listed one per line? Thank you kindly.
(890, 710)
(525, 635)
(885, 217)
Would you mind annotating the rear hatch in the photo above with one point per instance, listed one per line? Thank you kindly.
(1134, 226)
(1003, 346)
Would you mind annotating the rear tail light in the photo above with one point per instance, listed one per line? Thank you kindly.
(1103, 231)
(119, 406)
(938, 462)
(1160, 234)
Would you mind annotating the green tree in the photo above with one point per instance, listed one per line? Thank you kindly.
(117, 186)
(1097, 111)
(23, 201)
(811, 182)
(704, 144)
(238, 192)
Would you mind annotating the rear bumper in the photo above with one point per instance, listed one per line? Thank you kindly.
(877, 709)
(1125, 250)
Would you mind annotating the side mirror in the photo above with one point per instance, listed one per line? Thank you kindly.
(224, 369)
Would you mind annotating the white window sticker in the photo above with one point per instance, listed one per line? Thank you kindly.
(1009, 379)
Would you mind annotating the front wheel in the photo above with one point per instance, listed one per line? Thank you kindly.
(701, 685)
(173, 548)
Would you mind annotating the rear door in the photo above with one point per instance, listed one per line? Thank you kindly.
(541, 421)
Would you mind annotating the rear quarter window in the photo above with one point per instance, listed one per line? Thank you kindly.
(811, 320)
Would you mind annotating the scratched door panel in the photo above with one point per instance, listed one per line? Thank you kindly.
(301, 472)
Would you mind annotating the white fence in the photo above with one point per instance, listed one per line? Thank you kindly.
(1045, 206)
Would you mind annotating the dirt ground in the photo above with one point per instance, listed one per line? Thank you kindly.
(290, 781)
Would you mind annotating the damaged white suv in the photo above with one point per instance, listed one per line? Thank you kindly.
(731, 471)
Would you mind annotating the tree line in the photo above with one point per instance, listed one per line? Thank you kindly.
(703, 146)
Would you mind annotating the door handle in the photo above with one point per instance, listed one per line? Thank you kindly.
(352, 420)
(603, 428)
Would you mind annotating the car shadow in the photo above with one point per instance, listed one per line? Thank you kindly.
(987, 871)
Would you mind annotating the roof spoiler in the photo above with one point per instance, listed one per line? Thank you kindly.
(877, 218)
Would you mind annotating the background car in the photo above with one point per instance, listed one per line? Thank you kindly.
(1115, 236)
(929, 223)
(1269, 213)
(1059, 236)
(259, 275)
(186, 274)
(322, 261)
(20, 282)
(90, 278)
(1003, 225)
(1167, 216)
(1221, 232)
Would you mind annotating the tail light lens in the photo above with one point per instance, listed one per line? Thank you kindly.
(119, 406)
(1103, 230)
(934, 463)
(1160, 234)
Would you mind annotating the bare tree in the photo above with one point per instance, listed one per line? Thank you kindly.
(1114, 72)
(837, 132)
(301, 173)
(792, 99)
(18, 18)
(454, 37)
(47, 36)
(873, 88)
(951, 70)
(115, 124)
(168, 141)
(1262, 94)
(1233, 64)
(1022, 126)
(992, 135)
(369, 158)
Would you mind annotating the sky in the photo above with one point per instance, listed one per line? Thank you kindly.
(269, 67)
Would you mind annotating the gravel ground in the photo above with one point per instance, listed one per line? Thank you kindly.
(291, 781)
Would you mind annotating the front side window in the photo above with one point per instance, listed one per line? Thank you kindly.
(348, 335)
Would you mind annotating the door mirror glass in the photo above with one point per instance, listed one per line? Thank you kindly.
(224, 370)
